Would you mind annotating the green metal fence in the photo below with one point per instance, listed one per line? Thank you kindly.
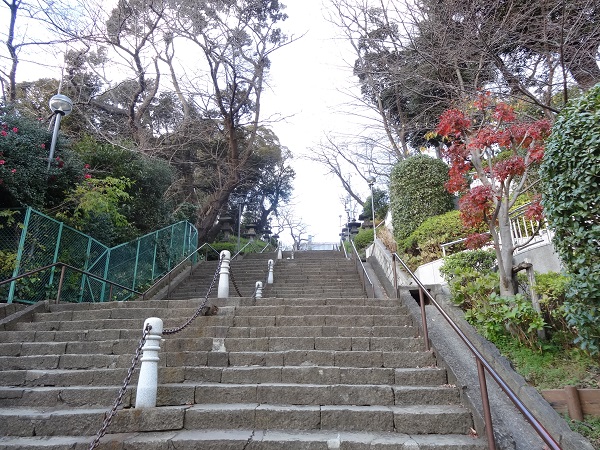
(30, 239)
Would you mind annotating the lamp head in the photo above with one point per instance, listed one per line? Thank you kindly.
(61, 104)
(371, 180)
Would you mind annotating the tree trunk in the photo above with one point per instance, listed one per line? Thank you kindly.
(504, 253)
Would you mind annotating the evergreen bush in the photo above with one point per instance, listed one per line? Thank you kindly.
(570, 171)
(423, 244)
(417, 192)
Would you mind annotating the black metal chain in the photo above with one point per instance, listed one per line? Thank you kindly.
(237, 289)
(109, 416)
(202, 305)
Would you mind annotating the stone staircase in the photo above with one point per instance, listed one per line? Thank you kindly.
(296, 372)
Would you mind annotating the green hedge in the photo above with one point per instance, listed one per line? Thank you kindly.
(423, 244)
(417, 192)
(363, 239)
(570, 172)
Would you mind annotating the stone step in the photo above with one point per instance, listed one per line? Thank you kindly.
(232, 344)
(194, 302)
(218, 320)
(263, 393)
(310, 293)
(427, 376)
(420, 419)
(248, 439)
(215, 331)
(356, 358)
(304, 331)
(260, 309)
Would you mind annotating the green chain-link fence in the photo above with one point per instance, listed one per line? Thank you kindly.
(30, 240)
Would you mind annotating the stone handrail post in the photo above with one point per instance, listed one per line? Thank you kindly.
(279, 253)
(145, 396)
(270, 276)
(259, 289)
(223, 290)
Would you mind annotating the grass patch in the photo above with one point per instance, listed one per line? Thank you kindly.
(590, 428)
(554, 366)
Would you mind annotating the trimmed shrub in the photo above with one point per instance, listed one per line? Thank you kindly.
(570, 172)
(423, 244)
(417, 192)
(363, 239)
(480, 261)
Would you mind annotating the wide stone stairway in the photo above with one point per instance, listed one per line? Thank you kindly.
(312, 365)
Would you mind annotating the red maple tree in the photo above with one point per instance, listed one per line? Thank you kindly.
(490, 151)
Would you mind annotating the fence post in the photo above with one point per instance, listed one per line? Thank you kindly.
(223, 290)
(270, 276)
(145, 396)
(259, 289)
(20, 250)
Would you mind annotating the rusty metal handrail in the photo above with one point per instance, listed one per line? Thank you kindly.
(62, 276)
(482, 364)
(362, 271)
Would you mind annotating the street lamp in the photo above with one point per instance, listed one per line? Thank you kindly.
(371, 180)
(240, 202)
(61, 105)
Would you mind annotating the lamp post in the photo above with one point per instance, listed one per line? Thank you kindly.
(240, 203)
(371, 180)
(61, 105)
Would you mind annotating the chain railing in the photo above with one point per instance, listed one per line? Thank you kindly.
(109, 416)
(259, 286)
(482, 365)
(113, 411)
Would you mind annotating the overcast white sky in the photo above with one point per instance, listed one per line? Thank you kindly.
(307, 79)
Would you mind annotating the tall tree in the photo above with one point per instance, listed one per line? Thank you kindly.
(235, 40)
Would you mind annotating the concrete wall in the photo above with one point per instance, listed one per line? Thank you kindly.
(430, 273)
(542, 256)
(385, 262)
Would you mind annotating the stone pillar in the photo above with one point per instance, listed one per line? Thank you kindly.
(259, 288)
(270, 276)
(279, 253)
(223, 290)
(145, 396)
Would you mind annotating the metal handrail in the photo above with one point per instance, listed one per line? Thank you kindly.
(364, 276)
(168, 275)
(482, 364)
(253, 243)
(62, 277)
(344, 247)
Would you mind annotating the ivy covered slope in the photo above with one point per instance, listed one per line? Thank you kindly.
(571, 177)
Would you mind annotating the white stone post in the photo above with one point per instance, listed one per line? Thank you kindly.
(270, 276)
(223, 291)
(145, 396)
(279, 254)
(259, 288)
